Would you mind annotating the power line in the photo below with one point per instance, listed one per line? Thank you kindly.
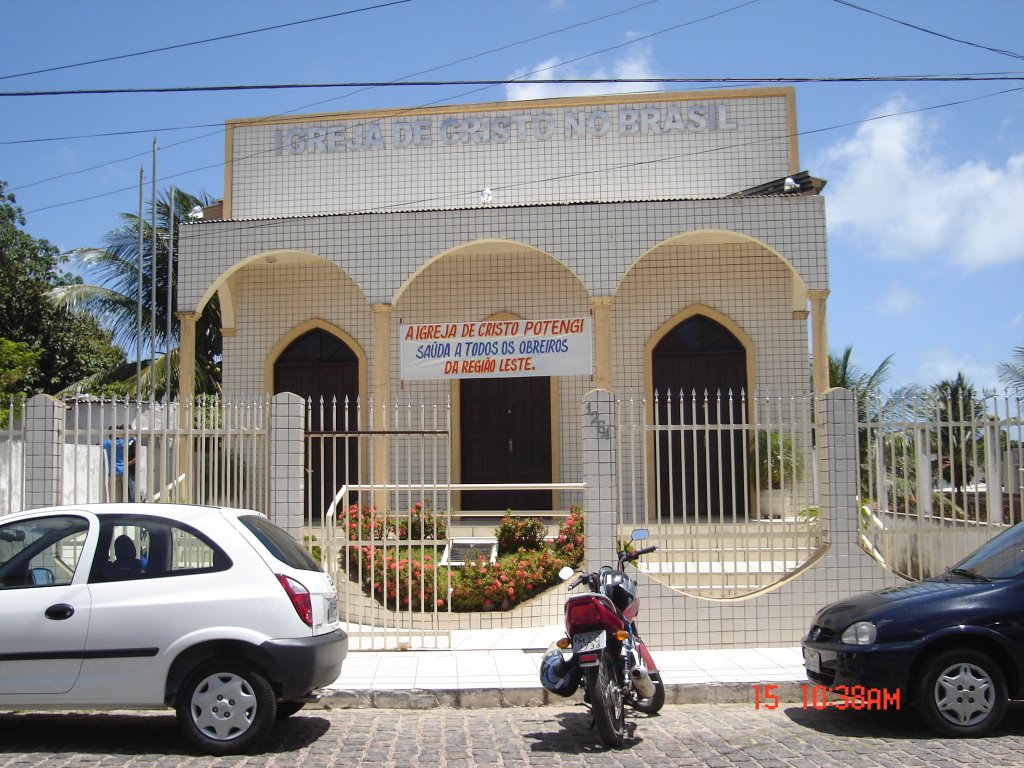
(424, 201)
(1001, 51)
(957, 78)
(201, 42)
(452, 63)
(440, 101)
(107, 134)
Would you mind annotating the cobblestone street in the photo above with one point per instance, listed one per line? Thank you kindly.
(685, 735)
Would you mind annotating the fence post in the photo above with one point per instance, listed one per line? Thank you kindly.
(993, 471)
(44, 452)
(287, 462)
(599, 473)
(838, 518)
(923, 472)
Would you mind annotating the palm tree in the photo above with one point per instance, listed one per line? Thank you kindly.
(871, 407)
(843, 373)
(113, 297)
(1012, 373)
(956, 441)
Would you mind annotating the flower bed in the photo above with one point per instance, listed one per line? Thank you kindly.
(406, 575)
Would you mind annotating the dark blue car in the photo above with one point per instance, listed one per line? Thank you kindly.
(954, 644)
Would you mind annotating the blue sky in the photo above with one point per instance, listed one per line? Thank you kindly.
(925, 204)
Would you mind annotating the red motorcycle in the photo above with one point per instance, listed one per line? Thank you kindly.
(608, 658)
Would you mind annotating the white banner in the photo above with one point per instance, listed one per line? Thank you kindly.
(495, 348)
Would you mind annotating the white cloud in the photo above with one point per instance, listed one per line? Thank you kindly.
(634, 65)
(898, 301)
(889, 184)
(1018, 319)
(942, 363)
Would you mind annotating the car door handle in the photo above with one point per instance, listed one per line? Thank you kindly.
(59, 612)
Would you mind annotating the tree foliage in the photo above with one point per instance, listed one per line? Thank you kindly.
(842, 372)
(1012, 373)
(956, 440)
(53, 346)
(114, 292)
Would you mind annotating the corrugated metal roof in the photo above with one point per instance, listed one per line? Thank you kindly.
(771, 189)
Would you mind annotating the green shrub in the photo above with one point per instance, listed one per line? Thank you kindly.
(422, 524)
(520, 533)
(515, 577)
(362, 524)
(569, 543)
(404, 577)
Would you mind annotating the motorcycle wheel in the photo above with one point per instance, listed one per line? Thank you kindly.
(654, 704)
(608, 702)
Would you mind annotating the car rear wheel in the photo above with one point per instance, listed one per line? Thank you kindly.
(962, 693)
(225, 708)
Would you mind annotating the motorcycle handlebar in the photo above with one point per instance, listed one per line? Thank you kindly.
(624, 557)
(627, 557)
(581, 579)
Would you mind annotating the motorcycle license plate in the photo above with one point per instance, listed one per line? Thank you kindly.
(589, 642)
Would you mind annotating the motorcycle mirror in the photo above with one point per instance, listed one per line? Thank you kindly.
(640, 534)
(566, 573)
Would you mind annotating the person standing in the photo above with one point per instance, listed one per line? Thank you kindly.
(118, 463)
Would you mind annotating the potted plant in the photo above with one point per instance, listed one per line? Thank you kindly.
(779, 466)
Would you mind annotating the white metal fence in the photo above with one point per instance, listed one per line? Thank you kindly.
(724, 482)
(207, 452)
(378, 512)
(938, 476)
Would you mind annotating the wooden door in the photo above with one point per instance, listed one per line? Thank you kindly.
(506, 438)
(700, 473)
(324, 371)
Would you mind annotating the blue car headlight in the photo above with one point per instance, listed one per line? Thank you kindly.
(859, 633)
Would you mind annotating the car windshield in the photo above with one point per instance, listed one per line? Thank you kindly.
(1000, 558)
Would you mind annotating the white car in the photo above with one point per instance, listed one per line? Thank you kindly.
(215, 612)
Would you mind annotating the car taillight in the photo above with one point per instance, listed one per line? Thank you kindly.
(299, 595)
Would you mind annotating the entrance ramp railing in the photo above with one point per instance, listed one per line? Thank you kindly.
(939, 474)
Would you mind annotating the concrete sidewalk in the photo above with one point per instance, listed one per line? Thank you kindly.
(496, 668)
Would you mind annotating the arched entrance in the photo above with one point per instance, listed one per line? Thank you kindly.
(324, 371)
(506, 438)
(699, 373)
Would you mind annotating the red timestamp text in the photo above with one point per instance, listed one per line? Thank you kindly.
(841, 697)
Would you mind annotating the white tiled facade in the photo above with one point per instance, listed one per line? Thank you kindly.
(618, 202)
(637, 212)
(558, 151)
